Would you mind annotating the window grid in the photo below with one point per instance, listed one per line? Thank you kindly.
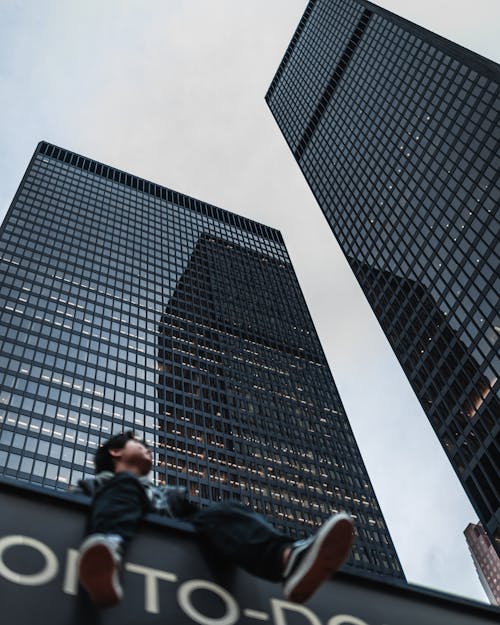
(403, 160)
(125, 307)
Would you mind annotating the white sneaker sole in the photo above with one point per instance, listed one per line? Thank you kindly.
(98, 573)
(329, 551)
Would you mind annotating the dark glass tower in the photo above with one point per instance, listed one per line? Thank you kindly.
(397, 133)
(128, 305)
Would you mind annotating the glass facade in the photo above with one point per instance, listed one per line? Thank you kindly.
(126, 305)
(397, 133)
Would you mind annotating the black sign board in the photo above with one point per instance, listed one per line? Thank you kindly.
(169, 580)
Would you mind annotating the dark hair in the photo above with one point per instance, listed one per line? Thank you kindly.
(103, 460)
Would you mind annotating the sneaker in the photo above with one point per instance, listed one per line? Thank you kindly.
(98, 568)
(314, 560)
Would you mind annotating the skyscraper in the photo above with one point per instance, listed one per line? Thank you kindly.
(396, 130)
(129, 306)
(485, 560)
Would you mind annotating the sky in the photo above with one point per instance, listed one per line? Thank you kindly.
(173, 91)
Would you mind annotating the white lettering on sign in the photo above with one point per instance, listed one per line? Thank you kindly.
(256, 614)
(184, 598)
(70, 583)
(346, 619)
(151, 577)
(44, 576)
(281, 610)
(279, 606)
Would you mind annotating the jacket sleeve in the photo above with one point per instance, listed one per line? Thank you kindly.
(85, 487)
(90, 486)
(173, 501)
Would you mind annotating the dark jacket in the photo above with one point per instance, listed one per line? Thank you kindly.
(171, 501)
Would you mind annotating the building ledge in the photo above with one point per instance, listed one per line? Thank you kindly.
(168, 573)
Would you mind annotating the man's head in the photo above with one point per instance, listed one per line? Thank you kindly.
(123, 452)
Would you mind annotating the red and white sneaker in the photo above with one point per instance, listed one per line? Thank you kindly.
(99, 567)
(314, 560)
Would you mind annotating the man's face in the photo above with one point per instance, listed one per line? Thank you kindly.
(135, 455)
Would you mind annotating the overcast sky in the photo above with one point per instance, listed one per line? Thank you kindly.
(173, 91)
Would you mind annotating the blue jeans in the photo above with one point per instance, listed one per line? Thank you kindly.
(235, 533)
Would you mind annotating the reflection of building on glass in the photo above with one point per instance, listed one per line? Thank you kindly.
(396, 131)
(445, 376)
(130, 306)
(485, 559)
(250, 409)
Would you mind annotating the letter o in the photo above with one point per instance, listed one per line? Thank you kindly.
(346, 619)
(184, 598)
(48, 572)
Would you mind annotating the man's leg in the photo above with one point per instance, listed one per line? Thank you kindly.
(244, 538)
(116, 512)
(241, 536)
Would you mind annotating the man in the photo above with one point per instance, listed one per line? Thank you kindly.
(122, 495)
